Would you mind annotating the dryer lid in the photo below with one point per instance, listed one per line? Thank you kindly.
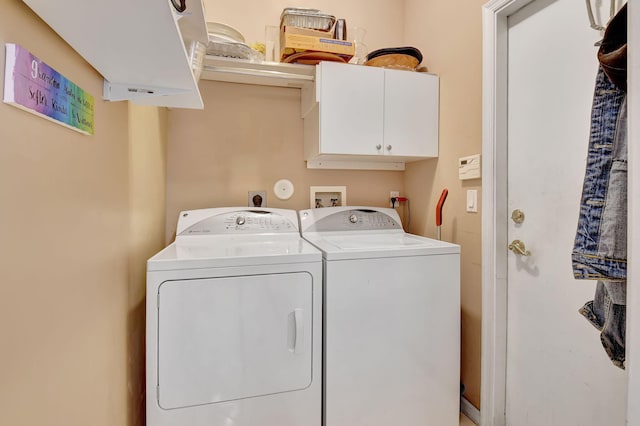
(222, 251)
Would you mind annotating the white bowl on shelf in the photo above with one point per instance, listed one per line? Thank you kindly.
(224, 32)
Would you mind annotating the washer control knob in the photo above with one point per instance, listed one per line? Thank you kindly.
(353, 218)
(240, 220)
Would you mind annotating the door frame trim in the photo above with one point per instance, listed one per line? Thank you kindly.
(494, 217)
(494, 214)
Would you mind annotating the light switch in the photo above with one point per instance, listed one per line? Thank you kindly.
(472, 200)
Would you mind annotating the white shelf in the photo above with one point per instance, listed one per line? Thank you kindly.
(137, 46)
(260, 73)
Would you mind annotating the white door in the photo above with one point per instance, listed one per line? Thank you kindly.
(228, 338)
(557, 371)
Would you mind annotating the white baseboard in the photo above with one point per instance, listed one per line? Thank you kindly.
(469, 410)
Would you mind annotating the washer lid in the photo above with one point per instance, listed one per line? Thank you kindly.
(365, 232)
(372, 244)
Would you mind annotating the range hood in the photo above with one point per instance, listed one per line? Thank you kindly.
(139, 46)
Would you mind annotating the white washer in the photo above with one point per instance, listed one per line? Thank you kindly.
(234, 317)
(391, 320)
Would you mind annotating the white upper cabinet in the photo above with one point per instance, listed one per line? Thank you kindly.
(140, 47)
(370, 118)
(410, 114)
(351, 108)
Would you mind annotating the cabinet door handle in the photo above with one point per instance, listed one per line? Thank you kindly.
(389, 147)
(378, 147)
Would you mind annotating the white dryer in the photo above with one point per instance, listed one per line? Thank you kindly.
(234, 317)
(391, 320)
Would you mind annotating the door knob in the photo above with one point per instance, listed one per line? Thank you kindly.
(519, 248)
(378, 147)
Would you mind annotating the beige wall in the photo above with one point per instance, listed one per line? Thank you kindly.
(72, 253)
(247, 138)
(449, 34)
(147, 199)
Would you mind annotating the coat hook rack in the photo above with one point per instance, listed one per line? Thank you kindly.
(592, 20)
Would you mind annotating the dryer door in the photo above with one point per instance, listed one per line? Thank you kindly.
(229, 338)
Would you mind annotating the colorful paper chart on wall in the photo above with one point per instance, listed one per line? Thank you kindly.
(34, 86)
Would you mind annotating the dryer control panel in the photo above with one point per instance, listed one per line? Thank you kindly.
(236, 221)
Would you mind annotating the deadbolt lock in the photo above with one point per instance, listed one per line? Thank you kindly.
(517, 216)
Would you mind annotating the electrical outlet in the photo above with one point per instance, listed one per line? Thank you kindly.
(257, 199)
(393, 194)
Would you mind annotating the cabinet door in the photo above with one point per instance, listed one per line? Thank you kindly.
(411, 114)
(229, 338)
(351, 109)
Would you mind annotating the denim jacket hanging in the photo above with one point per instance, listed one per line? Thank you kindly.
(600, 249)
(607, 311)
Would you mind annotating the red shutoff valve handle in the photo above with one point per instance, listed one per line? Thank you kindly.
(443, 197)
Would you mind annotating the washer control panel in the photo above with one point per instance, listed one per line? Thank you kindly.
(361, 219)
